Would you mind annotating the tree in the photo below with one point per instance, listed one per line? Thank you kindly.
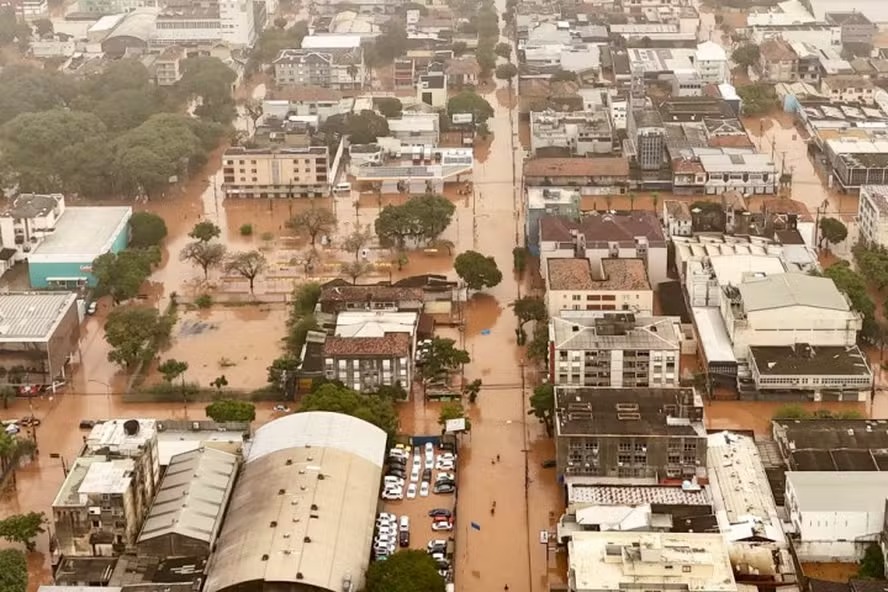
(211, 80)
(758, 97)
(529, 308)
(205, 231)
(44, 27)
(219, 383)
(305, 298)
(146, 229)
(133, 333)
(873, 563)
(121, 274)
(459, 48)
(392, 43)
(519, 260)
(503, 50)
(13, 571)
(405, 571)
(254, 111)
(390, 107)
(356, 241)
(355, 270)
(379, 411)
(563, 76)
(172, 369)
(231, 410)
(272, 41)
(361, 128)
(832, 231)
(476, 270)
(486, 59)
(394, 225)
(6, 393)
(542, 405)
(746, 55)
(470, 102)
(314, 221)
(203, 254)
(23, 528)
(423, 217)
(507, 71)
(247, 264)
(452, 410)
(442, 357)
(473, 389)
(791, 412)
(282, 372)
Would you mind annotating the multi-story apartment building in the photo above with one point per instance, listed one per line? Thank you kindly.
(276, 171)
(778, 61)
(848, 89)
(632, 235)
(184, 22)
(747, 173)
(416, 129)
(114, 6)
(602, 349)
(856, 28)
(872, 214)
(338, 68)
(615, 285)
(168, 66)
(711, 62)
(26, 222)
(636, 435)
(582, 133)
(647, 137)
(108, 491)
(551, 201)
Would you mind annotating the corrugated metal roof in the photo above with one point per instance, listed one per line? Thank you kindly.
(791, 289)
(30, 316)
(192, 496)
(84, 231)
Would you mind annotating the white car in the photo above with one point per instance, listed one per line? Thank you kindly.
(395, 493)
(404, 525)
(442, 525)
(411, 491)
(392, 481)
(445, 465)
(414, 474)
(429, 457)
(386, 516)
(445, 477)
(436, 543)
(424, 489)
(385, 522)
(417, 461)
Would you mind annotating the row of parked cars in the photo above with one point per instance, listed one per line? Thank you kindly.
(391, 532)
(419, 470)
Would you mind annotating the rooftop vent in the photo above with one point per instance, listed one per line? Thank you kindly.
(273, 524)
(306, 539)
(265, 558)
(131, 427)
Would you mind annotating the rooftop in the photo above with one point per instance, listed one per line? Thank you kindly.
(178, 436)
(373, 293)
(83, 233)
(375, 323)
(390, 344)
(615, 275)
(331, 41)
(878, 196)
(192, 496)
(577, 167)
(595, 330)
(32, 317)
(324, 470)
(119, 436)
(847, 18)
(33, 205)
(628, 411)
(792, 289)
(717, 345)
(94, 475)
(633, 495)
(802, 358)
(678, 210)
(777, 49)
(621, 560)
(602, 229)
(831, 491)
(307, 93)
(833, 444)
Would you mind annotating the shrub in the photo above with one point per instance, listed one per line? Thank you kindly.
(203, 301)
(246, 230)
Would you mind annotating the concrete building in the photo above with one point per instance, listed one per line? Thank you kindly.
(332, 62)
(372, 349)
(820, 35)
(778, 61)
(677, 218)
(617, 285)
(580, 133)
(856, 28)
(603, 561)
(632, 235)
(307, 101)
(859, 159)
(712, 63)
(183, 22)
(848, 89)
(416, 129)
(336, 299)
(319, 532)
(64, 258)
(746, 173)
(820, 372)
(168, 66)
(595, 176)
(40, 336)
(108, 7)
(276, 170)
(25, 223)
(542, 201)
(842, 445)
(640, 436)
(431, 89)
(108, 490)
(647, 137)
(598, 349)
(835, 515)
(186, 515)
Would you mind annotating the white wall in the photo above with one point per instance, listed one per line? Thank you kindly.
(640, 302)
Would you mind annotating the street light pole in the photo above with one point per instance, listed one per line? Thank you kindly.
(107, 395)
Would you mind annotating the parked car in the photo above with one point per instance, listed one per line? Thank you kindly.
(445, 477)
(436, 546)
(549, 464)
(417, 461)
(394, 494)
(411, 491)
(282, 408)
(387, 516)
(440, 513)
(414, 474)
(424, 489)
(92, 307)
(442, 525)
(404, 538)
(404, 523)
(444, 487)
(427, 474)
(396, 473)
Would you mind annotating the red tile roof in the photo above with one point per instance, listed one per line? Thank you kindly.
(577, 167)
(391, 344)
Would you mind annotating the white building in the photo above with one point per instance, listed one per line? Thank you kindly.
(821, 36)
(599, 349)
(677, 218)
(712, 63)
(607, 561)
(617, 285)
(574, 133)
(746, 173)
(849, 89)
(431, 89)
(182, 22)
(835, 514)
(633, 235)
(25, 223)
(830, 372)
(329, 61)
(416, 129)
(872, 214)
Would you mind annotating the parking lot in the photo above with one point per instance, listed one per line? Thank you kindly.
(417, 508)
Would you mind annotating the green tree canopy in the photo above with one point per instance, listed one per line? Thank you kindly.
(503, 50)
(442, 356)
(486, 59)
(206, 255)
(361, 128)
(392, 43)
(205, 231)
(281, 372)
(379, 411)
(542, 405)
(389, 106)
(832, 230)
(405, 571)
(211, 80)
(477, 271)
(121, 274)
(746, 55)
(23, 528)
(873, 563)
(272, 41)
(147, 229)
(231, 410)
(133, 333)
(529, 308)
(172, 369)
(452, 410)
(26, 89)
(13, 571)
(305, 298)
(422, 218)
(470, 102)
(506, 71)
